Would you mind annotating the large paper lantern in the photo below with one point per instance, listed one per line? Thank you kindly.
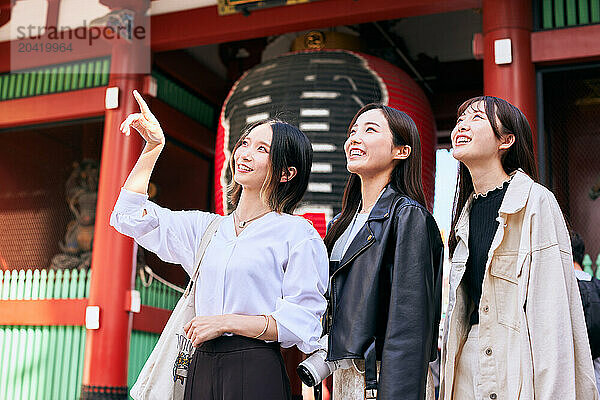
(320, 91)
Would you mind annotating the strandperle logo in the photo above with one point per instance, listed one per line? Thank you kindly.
(126, 30)
(116, 25)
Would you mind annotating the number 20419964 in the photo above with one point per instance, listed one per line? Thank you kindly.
(44, 47)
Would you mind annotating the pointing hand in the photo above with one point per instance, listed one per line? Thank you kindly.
(144, 122)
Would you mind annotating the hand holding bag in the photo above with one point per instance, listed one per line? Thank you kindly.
(164, 374)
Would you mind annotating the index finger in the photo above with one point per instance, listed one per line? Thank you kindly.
(143, 106)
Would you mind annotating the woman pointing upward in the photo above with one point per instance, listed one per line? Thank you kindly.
(264, 272)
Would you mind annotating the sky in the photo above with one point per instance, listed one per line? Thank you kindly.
(445, 184)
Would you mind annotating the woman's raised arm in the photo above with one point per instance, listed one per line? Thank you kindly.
(148, 127)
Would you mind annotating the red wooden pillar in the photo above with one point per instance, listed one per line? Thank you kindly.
(514, 81)
(113, 258)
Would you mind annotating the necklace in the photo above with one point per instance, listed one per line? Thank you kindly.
(242, 224)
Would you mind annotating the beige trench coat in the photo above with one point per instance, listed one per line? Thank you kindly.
(532, 335)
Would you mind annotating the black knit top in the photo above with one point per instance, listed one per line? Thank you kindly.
(482, 228)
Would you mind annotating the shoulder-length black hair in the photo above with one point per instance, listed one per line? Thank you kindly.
(289, 148)
(505, 119)
(405, 177)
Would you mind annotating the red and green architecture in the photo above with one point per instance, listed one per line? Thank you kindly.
(54, 113)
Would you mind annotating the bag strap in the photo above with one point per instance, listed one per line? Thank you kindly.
(371, 369)
(206, 238)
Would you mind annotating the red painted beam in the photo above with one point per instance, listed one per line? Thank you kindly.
(202, 26)
(56, 312)
(48, 312)
(566, 45)
(151, 319)
(181, 29)
(87, 103)
(65, 106)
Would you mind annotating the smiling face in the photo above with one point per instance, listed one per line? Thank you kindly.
(473, 139)
(369, 148)
(251, 158)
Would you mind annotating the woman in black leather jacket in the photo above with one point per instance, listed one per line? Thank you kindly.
(386, 264)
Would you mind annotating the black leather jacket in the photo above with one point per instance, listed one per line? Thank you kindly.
(387, 290)
(590, 300)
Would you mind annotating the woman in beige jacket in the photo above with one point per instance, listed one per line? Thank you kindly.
(514, 328)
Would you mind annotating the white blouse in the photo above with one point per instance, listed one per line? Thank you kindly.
(277, 265)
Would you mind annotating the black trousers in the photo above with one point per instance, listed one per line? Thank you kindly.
(237, 368)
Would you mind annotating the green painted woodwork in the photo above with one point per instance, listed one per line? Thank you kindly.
(95, 73)
(587, 264)
(566, 13)
(55, 79)
(46, 362)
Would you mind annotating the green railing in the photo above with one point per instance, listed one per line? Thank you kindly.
(55, 79)
(587, 265)
(566, 13)
(157, 294)
(46, 362)
(41, 362)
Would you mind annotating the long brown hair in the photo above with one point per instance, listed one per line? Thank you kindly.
(405, 177)
(505, 119)
(290, 147)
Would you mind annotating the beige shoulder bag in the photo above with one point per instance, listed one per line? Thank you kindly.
(164, 374)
